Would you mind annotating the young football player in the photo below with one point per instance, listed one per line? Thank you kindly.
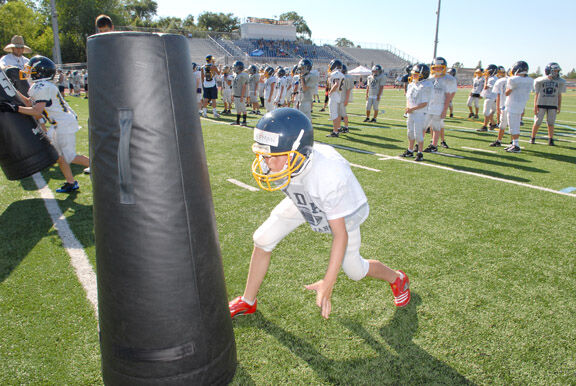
(104, 24)
(295, 99)
(444, 89)
(321, 190)
(375, 85)
(347, 86)
(336, 82)
(253, 81)
(280, 89)
(547, 100)
(474, 97)
(240, 91)
(209, 72)
(261, 81)
(500, 90)
(489, 97)
(418, 95)
(326, 92)
(518, 90)
(308, 84)
(452, 71)
(227, 79)
(269, 88)
(46, 102)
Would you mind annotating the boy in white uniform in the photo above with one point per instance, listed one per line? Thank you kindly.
(474, 97)
(269, 88)
(548, 100)
(280, 88)
(444, 89)
(45, 101)
(418, 95)
(347, 88)
(489, 97)
(253, 81)
(197, 84)
(308, 85)
(336, 84)
(500, 90)
(518, 90)
(375, 85)
(227, 79)
(321, 190)
(240, 91)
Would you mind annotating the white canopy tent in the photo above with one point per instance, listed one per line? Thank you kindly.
(360, 70)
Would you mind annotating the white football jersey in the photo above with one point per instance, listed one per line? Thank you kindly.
(311, 82)
(57, 110)
(488, 92)
(227, 81)
(418, 93)
(500, 89)
(477, 85)
(440, 87)
(521, 87)
(337, 77)
(327, 190)
(280, 92)
(269, 87)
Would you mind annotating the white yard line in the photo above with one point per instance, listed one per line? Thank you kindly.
(73, 247)
(242, 185)
(364, 167)
(482, 150)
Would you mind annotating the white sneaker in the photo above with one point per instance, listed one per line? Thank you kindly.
(87, 171)
(216, 115)
(204, 114)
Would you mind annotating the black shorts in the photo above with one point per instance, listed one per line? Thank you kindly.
(475, 95)
(61, 89)
(326, 98)
(211, 93)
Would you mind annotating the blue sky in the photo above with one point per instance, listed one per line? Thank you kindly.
(499, 32)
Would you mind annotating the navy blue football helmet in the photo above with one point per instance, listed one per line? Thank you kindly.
(335, 64)
(553, 70)
(39, 68)
(305, 66)
(377, 70)
(238, 66)
(285, 131)
(520, 68)
(439, 66)
(252, 69)
(491, 70)
(408, 69)
(420, 71)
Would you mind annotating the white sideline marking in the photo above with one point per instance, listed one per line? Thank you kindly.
(482, 150)
(490, 177)
(449, 155)
(364, 167)
(74, 248)
(242, 185)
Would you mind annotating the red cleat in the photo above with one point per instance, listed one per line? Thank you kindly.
(240, 307)
(401, 290)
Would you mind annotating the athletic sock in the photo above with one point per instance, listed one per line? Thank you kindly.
(237, 118)
(516, 142)
(247, 302)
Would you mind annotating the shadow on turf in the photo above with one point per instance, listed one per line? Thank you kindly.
(24, 223)
(407, 363)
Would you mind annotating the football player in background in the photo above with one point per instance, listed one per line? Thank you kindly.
(489, 97)
(227, 79)
(374, 87)
(474, 97)
(452, 71)
(336, 82)
(269, 88)
(240, 91)
(320, 189)
(518, 90)
(295, 99)
(261, 81)
(197, 84)
(46, 103)
(280, 88)
(418, 96)
(444, 89)
(253, 81)
(309, 85)
(104, 24)
(548, 100)
(500, 90)
(209, 72)
(347, 87)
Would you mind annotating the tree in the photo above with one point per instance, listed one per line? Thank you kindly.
(301, 26)
(571, 74)
(143, 10)
(343, 42)
(536, 74)
(457, 65)
(479, 65)
(218, 22)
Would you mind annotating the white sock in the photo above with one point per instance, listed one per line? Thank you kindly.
(214, 111)
(516, 142)
(204, 110)
(248, 302)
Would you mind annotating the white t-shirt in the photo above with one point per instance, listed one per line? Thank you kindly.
(311, 82)
(477, 85)
(280, 92)
(327, 190)
(418, 93)
(225, 79)
(500, 89)
(440, 87)
(13, 60)
(197, 76)
(268, 90)
(337, 77)
(57, 110)
(488, 91)
(521, 87)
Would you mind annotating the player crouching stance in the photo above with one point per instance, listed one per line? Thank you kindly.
(418, 95)
(46, 103)
(321, 190)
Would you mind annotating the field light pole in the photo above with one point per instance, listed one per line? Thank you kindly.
(437, 24)
(56, 51)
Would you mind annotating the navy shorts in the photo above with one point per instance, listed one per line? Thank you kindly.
(211, 93)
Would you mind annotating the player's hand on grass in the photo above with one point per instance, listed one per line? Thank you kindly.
(323, 295)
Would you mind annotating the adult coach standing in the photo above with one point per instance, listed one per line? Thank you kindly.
(15, 50)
